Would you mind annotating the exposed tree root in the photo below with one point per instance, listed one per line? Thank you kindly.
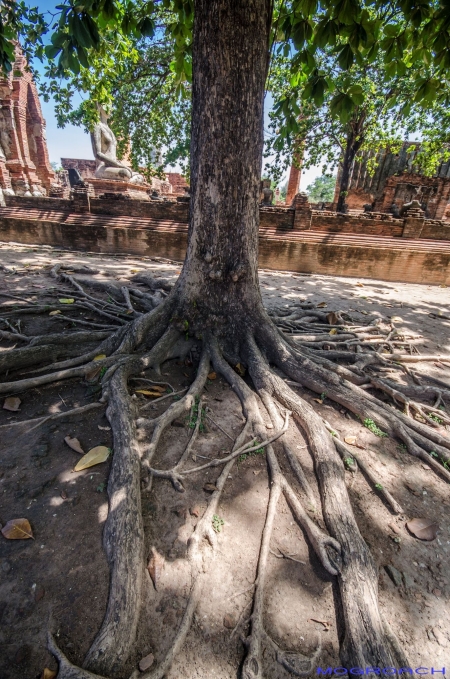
(307, 356)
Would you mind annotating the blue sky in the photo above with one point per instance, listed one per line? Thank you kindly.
(73, 142)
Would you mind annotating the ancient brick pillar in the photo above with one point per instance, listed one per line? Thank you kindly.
(294, 176)
(414, 223)
(303, 212)
(26, 169)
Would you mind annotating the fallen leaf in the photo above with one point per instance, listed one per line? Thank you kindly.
(332, 318)
(99, 357)
(92, 374)
(396, 319)
(55, 313)
(212, 376)
(67, 300)
(95, 456)
(365, 313)
(350, 439)
(318, 400)
(209, 487)
(17, 529)
(321, 305)
(74, 444)
(239, 369)
(48, 674)
(325, 623)
(104, 428)
(155, 566)
(147, 392)
(134, 270)
(146, 662)
(360, 285)
(424, 529)
(12, 403)
(333, 331)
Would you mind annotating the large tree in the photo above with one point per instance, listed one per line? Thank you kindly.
(216, 306)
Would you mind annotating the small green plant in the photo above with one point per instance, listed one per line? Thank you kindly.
(252, 453)
(435, 418)
(349, 461)
(323, 396)
(217, 523)
(192, 420)
(433, 454)
(371, 426)
(103, 371)
(101, 487)
(378, 486)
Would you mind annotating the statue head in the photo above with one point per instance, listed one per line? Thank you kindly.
(103, 114)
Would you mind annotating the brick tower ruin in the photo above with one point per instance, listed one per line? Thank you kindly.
(25, 168)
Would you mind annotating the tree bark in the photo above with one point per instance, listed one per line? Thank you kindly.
(219, 280)
(354, 142)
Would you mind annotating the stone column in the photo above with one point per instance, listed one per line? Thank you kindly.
(303, 212)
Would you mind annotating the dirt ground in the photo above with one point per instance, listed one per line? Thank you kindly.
(59, 580)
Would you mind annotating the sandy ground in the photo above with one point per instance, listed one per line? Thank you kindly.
(60, 580)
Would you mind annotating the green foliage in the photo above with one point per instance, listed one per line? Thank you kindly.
(371, 426)
(217, 523)
(378, 486)
(322, 189)
(353, 74)
(435, 418)
(252, 453)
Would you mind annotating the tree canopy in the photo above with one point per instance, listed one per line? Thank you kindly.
(321, 190)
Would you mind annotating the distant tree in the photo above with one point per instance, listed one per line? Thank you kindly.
(321, 190)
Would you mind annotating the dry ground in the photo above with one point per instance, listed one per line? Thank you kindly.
(60, 579)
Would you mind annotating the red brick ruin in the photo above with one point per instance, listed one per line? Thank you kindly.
(25, 168)
(413, 247)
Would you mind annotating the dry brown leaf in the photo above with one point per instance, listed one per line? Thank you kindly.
(17, 529)
(146, 662)
(321, 305)
(423, 529)
(210, 487)
(74, 444)
(360, 285)
(95, 456)
(55, 313)
(332, 318)
(351, 440)
(239, 369)
(155, 566)
(318, 400)
(147, 392)
(157, 387)
(12, 403)
(48, 674)
(325, 623)
(92, 374)
(212, 376)
(333, 331)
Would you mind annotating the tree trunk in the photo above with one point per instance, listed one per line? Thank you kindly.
(219, 280)
(353, 145)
